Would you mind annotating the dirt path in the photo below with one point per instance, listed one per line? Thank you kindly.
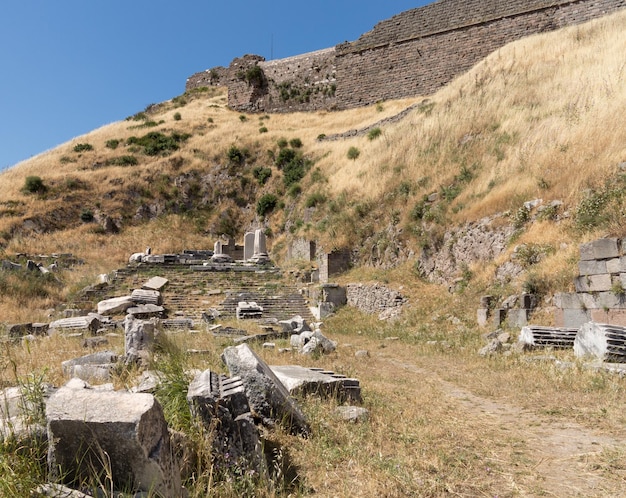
(559, 451)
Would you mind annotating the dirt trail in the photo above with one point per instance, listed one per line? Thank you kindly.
(559, 450)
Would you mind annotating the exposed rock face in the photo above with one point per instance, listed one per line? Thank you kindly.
(118, 434)
(476, 241)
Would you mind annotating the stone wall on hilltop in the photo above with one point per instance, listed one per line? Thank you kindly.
(413, 53)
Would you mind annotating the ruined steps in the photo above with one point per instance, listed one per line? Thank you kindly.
(191, 291)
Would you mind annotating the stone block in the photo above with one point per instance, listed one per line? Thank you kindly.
(482, 316)
(115, 305)
(568, 300)
(94, 367)
(517, 318)
(605, 342)
(616, 265)
(144, 296)
(302, 380)
(573, 319)
(266, 394)
(89, 323)
(592, 267)
(248, 246)
(155, 283)
(499, 316)
(118, 434)
(611, 316)
(593, 283)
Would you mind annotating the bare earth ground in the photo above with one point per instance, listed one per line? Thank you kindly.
(554, 458)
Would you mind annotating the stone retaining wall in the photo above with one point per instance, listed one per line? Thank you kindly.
(374, 298)
(414, 53)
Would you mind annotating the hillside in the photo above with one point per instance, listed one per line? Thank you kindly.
(539, 119)
(400, 183)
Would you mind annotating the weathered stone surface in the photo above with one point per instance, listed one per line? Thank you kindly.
(600, 249)
(302, 380)
(482, 316)
(593, 283)
(567, 300)
(118, 434)
(495, 346)
(248, 310)
(616, 265)
(155, 283)
(115, 305)
(538, 336)
(50, 490)
(318, 342)
(266, 395)
(499, 316)
(143, 311)
(138, 338)
(352, 413)
(92, 367)
(602, 341)
(517, 318)
(20, 414)
(89, 323)
(143, 296)
(296, 324)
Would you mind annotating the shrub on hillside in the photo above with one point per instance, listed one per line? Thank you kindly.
(353, 153)
(266, 204)
(34, 185)
(83, 147)
(262, 174)
(156, 143)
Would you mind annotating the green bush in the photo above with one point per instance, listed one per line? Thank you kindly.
(177, 116)
(374, 133)
(285, 156)
(262, 174)
(83, 147)
(156, 143)
(266, 204)
(315, 199)
(128, 160)
(112, 144)
(282, 143)
(34, 185)
(263, 129)
(294, 190)
(86, 215)
(296, 143)
(254, 76)
(353, 153)
(236, 155)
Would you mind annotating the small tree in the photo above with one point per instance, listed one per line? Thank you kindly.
(266, 204)
(353, 153)
(34, 185)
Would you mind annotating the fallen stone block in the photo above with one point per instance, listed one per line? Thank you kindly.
(555, 337)
(143, 311)
(267, 396)
(296, 324)
(155, 284)
(176, 324)
(247, 310)
(51, 490)
(142, 296)
(352, 413)
(602, 341)
(94, 367)
(138, 339)
(20, 413)
(301, 380)
(118, 434)
(89, 323)
(115, 305)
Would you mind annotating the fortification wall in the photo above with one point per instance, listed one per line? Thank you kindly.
(413, 53)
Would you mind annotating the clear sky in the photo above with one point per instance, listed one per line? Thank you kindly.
(70, 66)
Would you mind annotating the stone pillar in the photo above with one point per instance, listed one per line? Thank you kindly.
(248, 246)
(260, 248)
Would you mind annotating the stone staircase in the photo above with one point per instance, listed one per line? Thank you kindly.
(192, 290)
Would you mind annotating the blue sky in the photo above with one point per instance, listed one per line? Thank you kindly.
(70, 66)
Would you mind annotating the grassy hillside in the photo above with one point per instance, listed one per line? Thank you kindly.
(539, 119)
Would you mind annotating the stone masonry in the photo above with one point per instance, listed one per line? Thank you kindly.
(413, 53)
(600, 286)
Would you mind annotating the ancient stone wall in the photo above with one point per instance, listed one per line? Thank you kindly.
(373, 298)
(413, 53)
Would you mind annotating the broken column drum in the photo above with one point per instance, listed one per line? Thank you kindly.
(260, 248)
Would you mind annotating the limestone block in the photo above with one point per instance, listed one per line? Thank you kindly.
(568, 300)
(266, 395)
(601, 341)
(499, 315)
(143, 296)
(302, 380)
(573, 319)
(482, 316)
(517, 318)
(155, 283)
(352, 413)
(138, 338)
(592, 267)
(115, 305)
(612, 316)
(118, 434)
(593, 283)
(600, 249)
(146, 310)
(87, 323)
(91, 367)
(616, 265)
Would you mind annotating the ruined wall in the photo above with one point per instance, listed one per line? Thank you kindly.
(413, 53)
